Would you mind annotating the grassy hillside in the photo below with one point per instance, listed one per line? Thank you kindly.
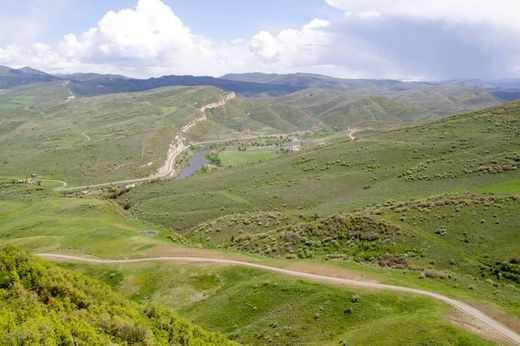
(41, 220)
(44, 129)
(440, 99)
(339, 111)
(43, 304)
(265, 309)
(370, 200)
(461, 153)
(260, 307)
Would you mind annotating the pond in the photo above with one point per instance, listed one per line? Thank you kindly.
(197, 160)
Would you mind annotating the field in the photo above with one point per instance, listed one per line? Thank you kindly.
(85, 141)
(42, 221)
(375, 194)
(241, 158)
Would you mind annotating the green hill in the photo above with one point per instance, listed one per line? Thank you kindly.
(43, 304)
(249, 305)
(466, 153)
(339, 111)
(460, 153)
(436, 98)
(46, 129)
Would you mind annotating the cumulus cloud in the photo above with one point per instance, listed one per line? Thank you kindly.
(405, 39)
(151, 39)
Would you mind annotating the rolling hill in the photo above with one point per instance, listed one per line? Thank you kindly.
(437, 98)
(264, 207)
(260, 307)
(46, 129)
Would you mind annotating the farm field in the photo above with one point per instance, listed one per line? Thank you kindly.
(242, 158)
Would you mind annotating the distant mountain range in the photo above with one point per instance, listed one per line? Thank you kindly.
(253, 84)
(10, 77)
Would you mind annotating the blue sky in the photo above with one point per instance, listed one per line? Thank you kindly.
(221, 20)
(402, 39)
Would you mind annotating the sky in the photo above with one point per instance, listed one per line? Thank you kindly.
(397, 39)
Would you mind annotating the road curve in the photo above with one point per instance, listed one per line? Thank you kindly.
(174, 150)
(463, 307)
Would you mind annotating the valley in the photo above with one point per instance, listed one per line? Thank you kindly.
(309, 216)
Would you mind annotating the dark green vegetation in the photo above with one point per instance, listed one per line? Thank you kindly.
(260, 308)
(43, 304)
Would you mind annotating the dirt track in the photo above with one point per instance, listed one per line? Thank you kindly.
(177, 146)
(487, 321)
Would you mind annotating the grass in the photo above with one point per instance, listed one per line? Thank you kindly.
(241, 158)
(378, 182)
(91, 140)
(263, 308)
(506, 187)
(42, 221)
(458, 154)
(43, 304)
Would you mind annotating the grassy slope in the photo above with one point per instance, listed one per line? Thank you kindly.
(88, 140)
(440, 99)
(40, 220)
(340, 111)
(460, 153)
(43, 304)
(240, 158)
(263, 308)
(43, 221)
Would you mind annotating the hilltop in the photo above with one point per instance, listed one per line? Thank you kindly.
(10, 77)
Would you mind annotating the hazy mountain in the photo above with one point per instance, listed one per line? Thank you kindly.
(10, 77)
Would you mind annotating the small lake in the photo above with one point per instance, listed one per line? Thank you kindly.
(197, 160)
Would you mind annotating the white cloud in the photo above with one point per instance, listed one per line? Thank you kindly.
(504, 14)
(457, 34)
(292, 47)
(151, 39)
(409, 39)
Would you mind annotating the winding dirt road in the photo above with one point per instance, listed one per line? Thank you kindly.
(490, 323)
(177, 146)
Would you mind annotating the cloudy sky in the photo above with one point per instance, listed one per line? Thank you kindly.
(402, 39)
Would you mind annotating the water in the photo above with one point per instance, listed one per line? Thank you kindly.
(197, 161)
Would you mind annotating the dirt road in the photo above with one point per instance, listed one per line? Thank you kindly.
(177, 146)
(490, 323)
